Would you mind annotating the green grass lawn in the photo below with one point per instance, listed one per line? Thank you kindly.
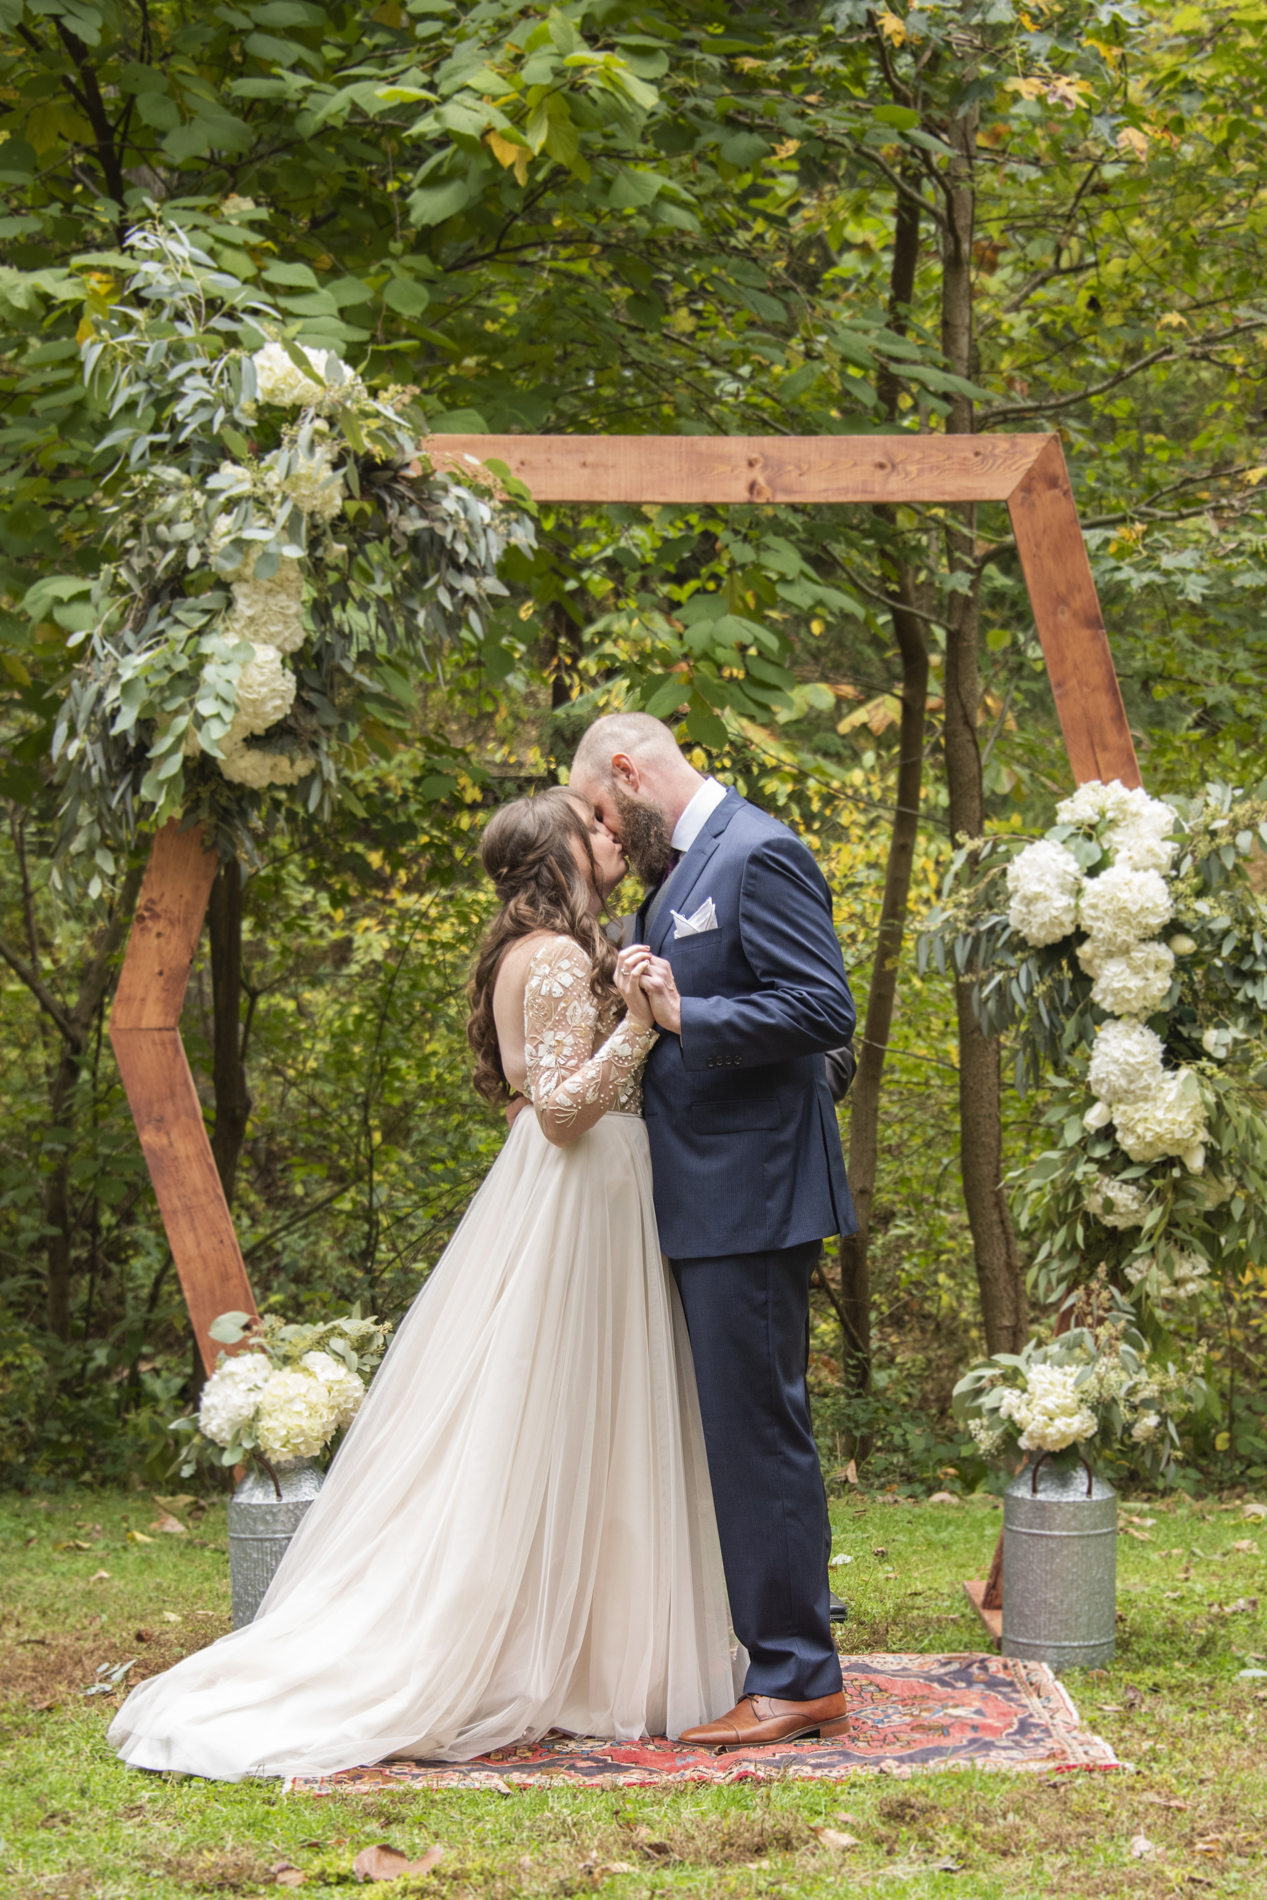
(72, 1821)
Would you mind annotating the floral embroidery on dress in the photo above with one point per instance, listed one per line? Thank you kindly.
(581, 1061)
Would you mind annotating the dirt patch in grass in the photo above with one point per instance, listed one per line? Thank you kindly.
(43, 1670)
(232, 1870)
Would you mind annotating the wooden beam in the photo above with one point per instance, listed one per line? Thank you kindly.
(145, 1037)
(1070, 626)
(739, 468)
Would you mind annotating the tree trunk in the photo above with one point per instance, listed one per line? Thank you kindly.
(864, 1099)
(228, 1072)
(998, 1267)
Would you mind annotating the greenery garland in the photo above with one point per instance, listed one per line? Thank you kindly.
(280, 558)
(1153, 1051)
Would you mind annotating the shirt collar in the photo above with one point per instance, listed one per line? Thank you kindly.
(695, 817)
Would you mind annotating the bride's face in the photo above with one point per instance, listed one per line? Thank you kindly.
(609, 859)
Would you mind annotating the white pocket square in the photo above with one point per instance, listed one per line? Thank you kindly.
(705, 918)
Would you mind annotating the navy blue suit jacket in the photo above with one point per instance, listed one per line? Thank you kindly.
(744, 1143)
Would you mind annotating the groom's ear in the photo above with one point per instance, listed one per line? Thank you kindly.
(625, 771)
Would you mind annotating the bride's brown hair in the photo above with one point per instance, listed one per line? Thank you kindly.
(527, 851)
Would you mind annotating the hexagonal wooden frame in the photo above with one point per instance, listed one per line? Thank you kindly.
(1026, 471)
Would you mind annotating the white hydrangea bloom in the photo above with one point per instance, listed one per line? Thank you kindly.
(1094, 801)
(1050, 1411)
(346, 1388)
(1118, 1203)
(1139, 835)
(253, 766)
(265, 694)
(1191, 1273)
(1125, 1063)
(283, 382)
(316, 485)
(1167, 1120)
(231, 1395)
(1134, 984)
(1043, 882)
(1122, 906)
(269, 613)
(1145, 1428)
(296, 1417)
(1139, 848)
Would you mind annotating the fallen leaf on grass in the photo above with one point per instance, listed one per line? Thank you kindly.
(388, 1863)
(287, 1874)
(171, 1525)
(73, 1543)
(139, 1537)
(1166, 1801)
(1141, 1537)
(879, 1551)
(49, 1702)
(1141, 1847)
(943, 1497)
(833, 1838)
(1254, 1513)
(948, 1866)
(170, 1616)
(1248, 1546)
(1211, 1847)
(99, 1576)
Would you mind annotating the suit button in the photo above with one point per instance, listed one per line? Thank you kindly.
(711, 1063)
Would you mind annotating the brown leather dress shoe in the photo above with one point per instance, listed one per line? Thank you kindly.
(756, 1719)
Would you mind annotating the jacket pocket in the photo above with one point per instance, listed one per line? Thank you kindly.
(737, 1116)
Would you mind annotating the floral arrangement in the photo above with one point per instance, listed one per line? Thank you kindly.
(1124, 956)
(1092, 1387)
(284, 1396)
(282, 559)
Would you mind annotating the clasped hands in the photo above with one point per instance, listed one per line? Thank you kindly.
(651, 995)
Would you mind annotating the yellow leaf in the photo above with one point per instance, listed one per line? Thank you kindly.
(1255, 475)
(85, 332)
(1173, 320)
(139, 1537)
(511, 156)
(1131, 139)
(892, 28)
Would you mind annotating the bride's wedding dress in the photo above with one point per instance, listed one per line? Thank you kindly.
(517, 1533)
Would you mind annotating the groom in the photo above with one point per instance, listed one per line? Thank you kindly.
(748, 1178)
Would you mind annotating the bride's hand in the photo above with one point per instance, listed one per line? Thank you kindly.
(630, 965)
(666, 1004)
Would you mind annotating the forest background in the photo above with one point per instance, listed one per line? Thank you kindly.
(627, 218)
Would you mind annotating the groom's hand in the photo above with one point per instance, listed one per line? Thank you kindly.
(666, 1005)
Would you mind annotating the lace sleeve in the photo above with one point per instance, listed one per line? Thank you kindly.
(570, 1083)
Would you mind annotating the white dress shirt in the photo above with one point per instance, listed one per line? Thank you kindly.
(698, 812)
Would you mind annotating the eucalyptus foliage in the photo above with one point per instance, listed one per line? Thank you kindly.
(219, 477)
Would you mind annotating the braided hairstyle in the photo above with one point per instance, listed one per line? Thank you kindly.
(527, 851)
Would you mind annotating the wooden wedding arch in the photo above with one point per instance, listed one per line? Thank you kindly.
(1025, 471)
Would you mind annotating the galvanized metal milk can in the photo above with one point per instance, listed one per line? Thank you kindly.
(261, 1525)
(1059, 1567)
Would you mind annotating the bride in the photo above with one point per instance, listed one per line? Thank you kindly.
(517, 1534)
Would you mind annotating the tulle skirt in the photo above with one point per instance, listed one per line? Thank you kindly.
(517, 1533)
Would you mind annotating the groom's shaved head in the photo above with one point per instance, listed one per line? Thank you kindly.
(636, 734)
(629, 767)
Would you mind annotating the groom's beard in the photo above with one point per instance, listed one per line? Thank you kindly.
(644, 836)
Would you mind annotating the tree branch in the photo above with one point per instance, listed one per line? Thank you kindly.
(73, 1033)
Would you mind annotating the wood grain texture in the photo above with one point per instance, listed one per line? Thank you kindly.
(145, 1037)
(738, 468)
(200, 1229)
(165, 931)
(1070, 626)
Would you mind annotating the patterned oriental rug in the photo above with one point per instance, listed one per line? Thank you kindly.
(905, 1713)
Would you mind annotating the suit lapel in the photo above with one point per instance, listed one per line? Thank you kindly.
(688, 871)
